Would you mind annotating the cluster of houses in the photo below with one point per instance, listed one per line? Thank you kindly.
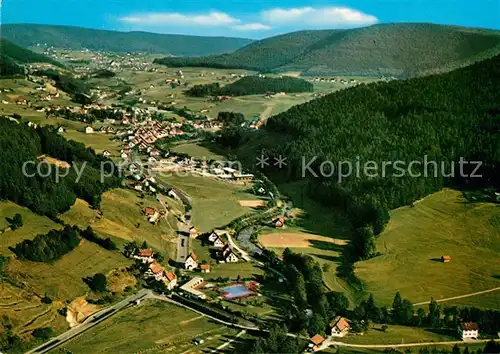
(224, 252)
(152, 214)
(155, 270)
(334, 80)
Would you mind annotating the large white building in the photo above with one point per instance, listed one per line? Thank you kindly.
(190, 288)
(468, 330)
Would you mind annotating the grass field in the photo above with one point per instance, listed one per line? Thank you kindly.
(319, 233)
(34, 224)
(398, 335)
(26, 312)
(122, 213)
(62, 280)
(156, 327)
(215, 203)
(416, 237)
(197, 151)
(98, 142)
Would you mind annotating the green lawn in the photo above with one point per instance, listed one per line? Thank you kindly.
(156, 327)
(123, 219)
(416, 237)
(62, 280)
(26, 312)
(315, 219)
(98, 142)
(215, 203)
(398, 335)
(197, 151)
(34, 224)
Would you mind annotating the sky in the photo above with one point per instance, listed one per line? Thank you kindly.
(247, 18)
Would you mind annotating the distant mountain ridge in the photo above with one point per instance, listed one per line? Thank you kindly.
(69, 37)
(401, 50)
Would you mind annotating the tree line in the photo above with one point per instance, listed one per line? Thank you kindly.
(48, 247)
(252, 85)
(314, 307)
(56, 243)
(78, 89)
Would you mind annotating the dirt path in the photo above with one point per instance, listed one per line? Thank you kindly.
(267, 112)
(383, 346)
(460, 296)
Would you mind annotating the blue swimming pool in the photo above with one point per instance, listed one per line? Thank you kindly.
(236, 291)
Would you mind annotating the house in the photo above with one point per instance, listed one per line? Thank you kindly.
(89, 130)
(149, 211)
(445, 259)
(339, 327)
(153, 219)
(468, 330)
(60, 130)
(228, 255)
(205, 268)
(155, 270)
(218, 242)
(172, 194)
(191, 262)
(146, 256)
(170, 280)
(212, 237)
(316, 342)
(154, 152)
(198, 341)
(279, 222)
(106, 153)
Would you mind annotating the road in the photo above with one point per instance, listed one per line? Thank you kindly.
(243, 254)
(384, 346)
(90, 322)
(183, 228)
(224, 345)
(460, 296)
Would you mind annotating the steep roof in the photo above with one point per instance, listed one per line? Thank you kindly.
(171, 276)
(156, 268)
(469, 326)
(317, 339)
(145, 253)
(341, 323)
(193, 256)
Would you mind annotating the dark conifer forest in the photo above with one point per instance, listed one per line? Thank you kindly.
(20, 144)
(440, 118)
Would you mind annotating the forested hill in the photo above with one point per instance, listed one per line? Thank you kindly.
(444, 117)
(12, 57)
(78, 38)
(41, 191)
(389, 49)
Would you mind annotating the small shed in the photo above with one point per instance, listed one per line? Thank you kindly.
(445, 259)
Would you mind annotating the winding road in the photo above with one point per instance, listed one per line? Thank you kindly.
(90, 322)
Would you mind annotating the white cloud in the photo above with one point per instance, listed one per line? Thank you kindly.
(255, 26)
(211, 19)
(318, 17)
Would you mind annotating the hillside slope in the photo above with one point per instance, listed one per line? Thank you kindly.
(77, 38)
(11, 56)
(376, 147)
(389, 49)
